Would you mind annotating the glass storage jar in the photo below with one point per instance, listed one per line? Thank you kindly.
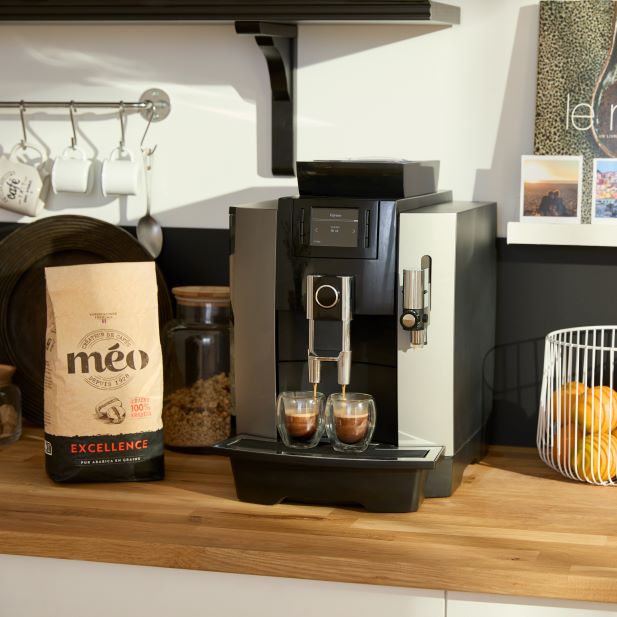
(197, 398)
(10, 406)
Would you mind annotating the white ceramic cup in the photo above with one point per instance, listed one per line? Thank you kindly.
(71, 172)
(22, 187)
(121, 175)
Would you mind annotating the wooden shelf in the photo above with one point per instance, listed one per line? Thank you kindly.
(228, 10)
(562, 234)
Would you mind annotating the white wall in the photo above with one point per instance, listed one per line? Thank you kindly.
(464, 95)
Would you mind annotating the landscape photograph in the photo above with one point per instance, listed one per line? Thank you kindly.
(550, 188)
(604, 201)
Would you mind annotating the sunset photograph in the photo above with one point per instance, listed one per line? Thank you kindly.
(550, 188)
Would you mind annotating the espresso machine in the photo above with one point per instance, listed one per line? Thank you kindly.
(374, 280)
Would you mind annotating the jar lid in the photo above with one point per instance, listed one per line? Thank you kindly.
(6, 373)
(198, 295)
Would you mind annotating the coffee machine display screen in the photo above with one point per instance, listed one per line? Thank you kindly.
(334, 227)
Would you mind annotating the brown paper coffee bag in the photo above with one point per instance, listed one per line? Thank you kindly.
(103, 373)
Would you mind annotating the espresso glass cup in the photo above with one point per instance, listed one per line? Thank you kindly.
(350, 421)
(300, 418)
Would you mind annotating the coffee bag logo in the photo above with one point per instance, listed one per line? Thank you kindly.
(107, 359)
(110, 411)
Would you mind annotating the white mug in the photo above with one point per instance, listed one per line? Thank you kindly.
(71, 172)
(22, 187)
(121, 176)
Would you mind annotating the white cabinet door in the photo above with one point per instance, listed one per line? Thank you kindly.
(31, 586)
(481, 605)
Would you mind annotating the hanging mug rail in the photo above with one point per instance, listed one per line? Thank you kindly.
(154, 105)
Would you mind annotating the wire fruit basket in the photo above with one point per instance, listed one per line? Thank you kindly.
(577, 423)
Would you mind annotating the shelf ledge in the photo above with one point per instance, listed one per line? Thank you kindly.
(562, 234)
(294, 11)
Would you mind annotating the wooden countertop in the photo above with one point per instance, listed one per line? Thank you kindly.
(514, 527)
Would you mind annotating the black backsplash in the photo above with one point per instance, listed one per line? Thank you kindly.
(189, 256)
(540, 289)
(194, 256)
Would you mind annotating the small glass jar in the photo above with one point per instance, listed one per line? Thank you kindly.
(10, 406)
(197, 399)
(350, 421)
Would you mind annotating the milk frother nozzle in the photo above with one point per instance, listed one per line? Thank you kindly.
(417, 302)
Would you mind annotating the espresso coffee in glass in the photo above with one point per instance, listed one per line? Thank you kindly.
(350, 421)
(300, 418)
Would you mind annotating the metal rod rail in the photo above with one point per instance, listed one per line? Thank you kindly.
(154, 105)
(75, 104)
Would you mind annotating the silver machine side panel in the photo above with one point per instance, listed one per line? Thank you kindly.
(440, 387)
(425, 379)
(252, 278)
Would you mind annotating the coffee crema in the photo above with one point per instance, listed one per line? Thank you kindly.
(351, 429)
(301, 425)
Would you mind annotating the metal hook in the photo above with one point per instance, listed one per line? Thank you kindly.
(22, 110)
(149, 151)
(72, 110)
(121, 113)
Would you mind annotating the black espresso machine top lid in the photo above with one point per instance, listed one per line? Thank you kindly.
(381, 179)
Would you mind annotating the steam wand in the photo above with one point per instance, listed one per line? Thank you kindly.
(417, 302)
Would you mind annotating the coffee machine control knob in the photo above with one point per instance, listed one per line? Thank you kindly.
(327, 296)
(409, 320)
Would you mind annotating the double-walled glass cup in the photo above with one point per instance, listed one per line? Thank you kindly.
(300, 418)
(350, 421)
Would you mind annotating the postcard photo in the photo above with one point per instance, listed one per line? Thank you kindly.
(551, 189)
(604, 195)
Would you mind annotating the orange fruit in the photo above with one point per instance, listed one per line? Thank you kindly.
(565, 400)
(592, 457)
(600, 408)
(563, 446)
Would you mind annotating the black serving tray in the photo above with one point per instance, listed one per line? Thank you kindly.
(381, 479)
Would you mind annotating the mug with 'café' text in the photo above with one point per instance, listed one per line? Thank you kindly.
(23, 187)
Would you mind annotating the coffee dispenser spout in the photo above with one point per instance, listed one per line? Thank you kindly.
(328, 298)
(314, 369)
(343, 362)
(344, 368)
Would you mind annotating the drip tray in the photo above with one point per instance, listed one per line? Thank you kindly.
(381, 479)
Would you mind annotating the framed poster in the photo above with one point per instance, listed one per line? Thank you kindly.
(551, 189)
(576, 94)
